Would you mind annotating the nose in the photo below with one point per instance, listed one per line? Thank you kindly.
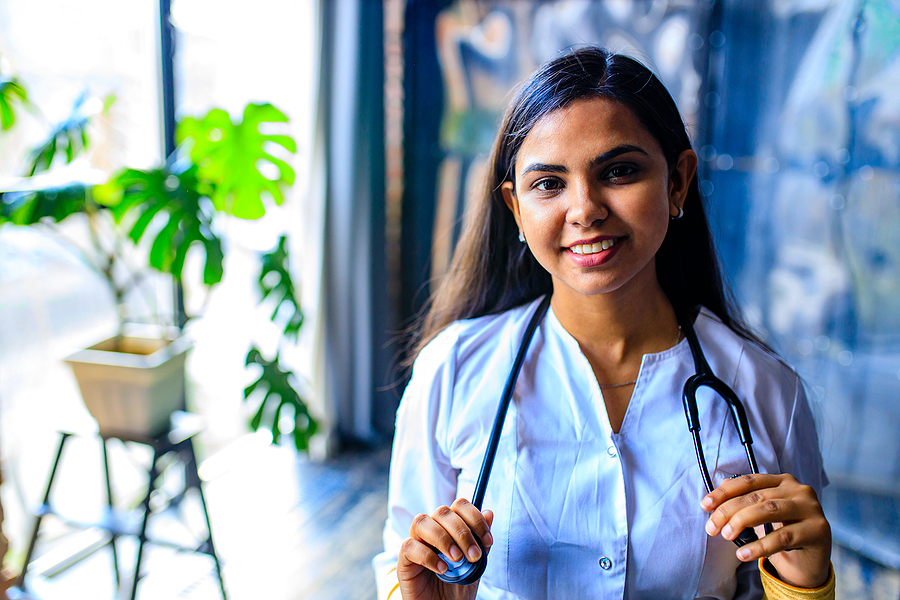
(586, 206)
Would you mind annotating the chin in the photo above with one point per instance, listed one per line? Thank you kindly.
(591, 287)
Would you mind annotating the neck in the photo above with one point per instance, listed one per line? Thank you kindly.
(619, 327)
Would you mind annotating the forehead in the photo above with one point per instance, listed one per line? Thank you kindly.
(591, 125)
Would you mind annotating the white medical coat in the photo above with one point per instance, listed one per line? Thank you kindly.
(580, 511)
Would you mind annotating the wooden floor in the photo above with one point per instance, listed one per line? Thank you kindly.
(285, 528)
(346, 505)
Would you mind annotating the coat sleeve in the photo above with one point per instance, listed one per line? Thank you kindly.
(802, 458)
(422, 477)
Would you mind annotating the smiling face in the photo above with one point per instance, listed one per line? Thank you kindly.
(593, 195)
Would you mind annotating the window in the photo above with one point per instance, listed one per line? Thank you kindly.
(50, 303)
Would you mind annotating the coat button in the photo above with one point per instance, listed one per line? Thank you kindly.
(612, 451)
(605, 564)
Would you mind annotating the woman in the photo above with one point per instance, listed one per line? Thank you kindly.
(595, 490)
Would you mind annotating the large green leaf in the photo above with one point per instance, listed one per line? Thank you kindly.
(11, 93)
(173, 203)
(233, 156)
(276, 284)
(279, 393)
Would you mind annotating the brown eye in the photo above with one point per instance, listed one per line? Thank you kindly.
(620, 171)
(547, 185)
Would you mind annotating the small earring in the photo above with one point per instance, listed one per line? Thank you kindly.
(679, 215)
(522, 236)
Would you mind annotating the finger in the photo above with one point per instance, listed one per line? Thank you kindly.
(791, 536)
(463, 521)
(789, 501)
(773, 510)
(750, 510)
(487, 539)
(732, 488)
(414, 553)
(477, 521)
(725, 513)
(427, 529)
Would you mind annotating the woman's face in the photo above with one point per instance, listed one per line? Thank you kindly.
(593, 195)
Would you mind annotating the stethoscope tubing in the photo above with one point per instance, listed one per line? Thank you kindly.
(494, 440)
(704, 377)
(464, 572)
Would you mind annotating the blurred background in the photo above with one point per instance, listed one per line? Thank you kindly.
(385, 114)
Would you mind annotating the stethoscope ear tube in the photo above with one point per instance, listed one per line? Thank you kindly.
(464, 572)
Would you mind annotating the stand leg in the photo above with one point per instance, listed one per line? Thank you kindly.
(142, 537)
(109, 503)
(42, 511)
(193, 478)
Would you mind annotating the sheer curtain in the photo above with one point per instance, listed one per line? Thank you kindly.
(348, 175)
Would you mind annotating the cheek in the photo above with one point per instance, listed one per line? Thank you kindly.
(655, 222)
(543, 223)
(651, 208)
(660, 229)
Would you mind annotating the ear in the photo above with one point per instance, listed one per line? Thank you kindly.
(680, 179)
(509, 196)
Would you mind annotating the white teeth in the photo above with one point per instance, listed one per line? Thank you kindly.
(593, 248)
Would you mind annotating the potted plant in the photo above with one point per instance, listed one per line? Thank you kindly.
(155, 216)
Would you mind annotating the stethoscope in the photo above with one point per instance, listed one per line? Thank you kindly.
(464, 572)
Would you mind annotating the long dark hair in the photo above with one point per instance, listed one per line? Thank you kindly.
(492, 272)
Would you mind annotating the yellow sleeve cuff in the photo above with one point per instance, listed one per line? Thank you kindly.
(391, 585)
(775, 589)
(394, 589)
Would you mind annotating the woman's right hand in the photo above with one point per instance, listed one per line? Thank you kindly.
(449, 530)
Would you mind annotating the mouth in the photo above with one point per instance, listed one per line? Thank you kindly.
(585, 249)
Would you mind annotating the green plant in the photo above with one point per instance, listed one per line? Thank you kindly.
(222, 166)
(11, 93)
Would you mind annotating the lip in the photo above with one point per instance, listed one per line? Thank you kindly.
(593, 240)
(598, 258)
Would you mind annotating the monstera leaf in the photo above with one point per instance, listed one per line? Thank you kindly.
(275, 283)
(237, 158)
(175, 202)
(11, 93)
(280, 393)
(54, 204)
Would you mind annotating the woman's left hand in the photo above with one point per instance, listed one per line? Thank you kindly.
(799, 547)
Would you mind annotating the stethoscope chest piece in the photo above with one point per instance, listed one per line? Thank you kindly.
(463, 572)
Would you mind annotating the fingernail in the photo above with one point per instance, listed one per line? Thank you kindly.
(488, 540)
(474, 553)
(727, 532)
(455, 553)
(710, 527)
(706, 503)
(442, 567)
(743, 554)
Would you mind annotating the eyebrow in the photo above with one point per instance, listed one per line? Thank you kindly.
(606, 156)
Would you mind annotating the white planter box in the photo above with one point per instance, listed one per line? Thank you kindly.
(134, 391)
